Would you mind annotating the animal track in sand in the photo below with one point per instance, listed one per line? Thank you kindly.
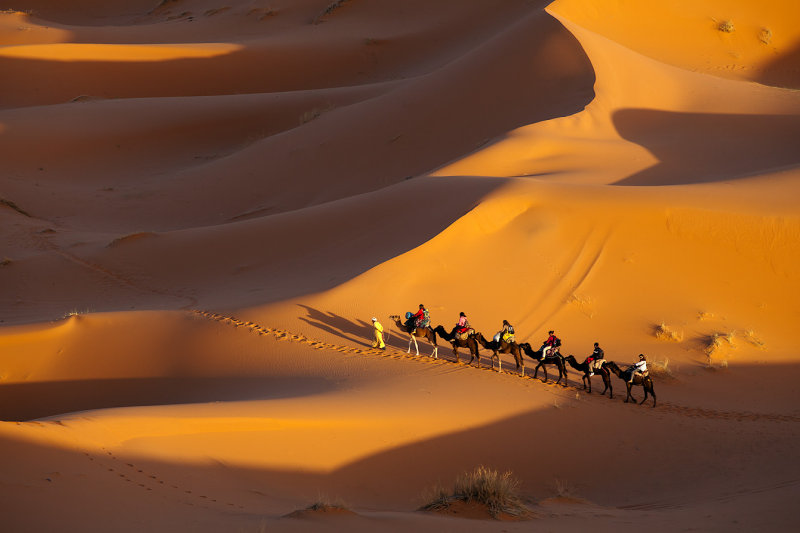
(131, 473)
(279, 334)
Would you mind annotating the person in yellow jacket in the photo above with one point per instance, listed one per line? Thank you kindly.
(378, 342)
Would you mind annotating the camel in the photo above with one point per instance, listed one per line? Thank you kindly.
(502, 347)
(470, 343)
(557, 360)
(584, 367)
(625, 375)
(422, 333)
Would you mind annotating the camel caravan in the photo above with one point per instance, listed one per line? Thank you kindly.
(417, 326)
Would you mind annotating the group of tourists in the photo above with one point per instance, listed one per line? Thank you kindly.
(462, 329)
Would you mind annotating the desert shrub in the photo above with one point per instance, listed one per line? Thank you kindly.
(324, 503)
(498, 492)
(726, 26)
(659, 367)
(665, 333)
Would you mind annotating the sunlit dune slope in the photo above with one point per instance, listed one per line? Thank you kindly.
(650, 123)
(754, 41)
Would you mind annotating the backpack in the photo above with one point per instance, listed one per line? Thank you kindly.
(426, 316)
(557, 343)
(511, 329)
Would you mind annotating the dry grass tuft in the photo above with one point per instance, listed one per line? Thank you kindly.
(726, 26)
(659, 368)
(751, 337)
(564, 489)
(665, 333)
(765, 35)
(719, 347)
(324, 503)
(498, 492)
(5, 262)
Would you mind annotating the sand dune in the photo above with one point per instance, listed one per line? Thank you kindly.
(202, 204)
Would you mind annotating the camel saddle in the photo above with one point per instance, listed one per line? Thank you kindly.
(596, 365)
(464, 336)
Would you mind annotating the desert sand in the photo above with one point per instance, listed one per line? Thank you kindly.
(203, 203)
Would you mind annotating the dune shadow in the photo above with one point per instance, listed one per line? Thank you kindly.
(783, 71)
(28, 401)
(702, 148)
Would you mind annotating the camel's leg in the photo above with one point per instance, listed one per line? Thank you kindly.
(409, 344)
(416, 346)
(435, 353)
(586, 379)
(455, 352)
(629, 396)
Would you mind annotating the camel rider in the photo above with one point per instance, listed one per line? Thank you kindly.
(639, 368)
(506, 334)
(378, 342)
(550, 346)
(597, 355)
(462, 326)
(420, 319)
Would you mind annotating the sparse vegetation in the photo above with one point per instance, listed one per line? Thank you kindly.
(5, 262)
(726, 26)
(564, 489)
(719, 345)
(665, 333)
(751, 337)
(498, 492)
(659, 368)
(325, 505)
(322, 505)
(765, 35)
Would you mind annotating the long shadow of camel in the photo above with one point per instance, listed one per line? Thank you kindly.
(355, 331)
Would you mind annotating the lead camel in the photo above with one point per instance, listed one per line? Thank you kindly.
(421, 333)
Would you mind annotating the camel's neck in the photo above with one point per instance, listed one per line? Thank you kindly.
(443, 333)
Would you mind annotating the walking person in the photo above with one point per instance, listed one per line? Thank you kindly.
(378, 342)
